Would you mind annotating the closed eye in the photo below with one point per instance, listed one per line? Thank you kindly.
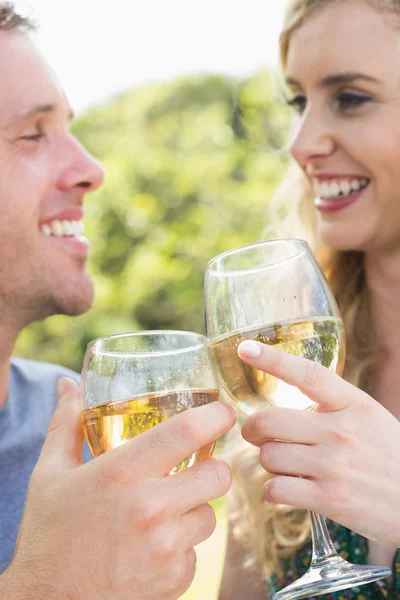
(32, 138)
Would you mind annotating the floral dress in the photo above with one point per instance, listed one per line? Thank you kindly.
(352, 547)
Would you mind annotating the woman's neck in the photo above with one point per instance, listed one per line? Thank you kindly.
(383, 280)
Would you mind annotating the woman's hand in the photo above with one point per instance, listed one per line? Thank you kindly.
(342, 461)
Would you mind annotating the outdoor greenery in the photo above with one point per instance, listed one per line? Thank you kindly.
(191, 165)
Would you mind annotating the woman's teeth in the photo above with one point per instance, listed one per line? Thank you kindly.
(64, 228)
(338, 189)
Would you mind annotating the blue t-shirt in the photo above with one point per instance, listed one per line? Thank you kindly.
(24, 419)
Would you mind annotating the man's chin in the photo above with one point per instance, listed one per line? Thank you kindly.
(76, 306)
(75, 310)
(76, 303)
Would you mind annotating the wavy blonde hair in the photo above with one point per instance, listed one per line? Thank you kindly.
(273, 533)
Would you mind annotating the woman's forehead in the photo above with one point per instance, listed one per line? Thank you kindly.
(343, 37)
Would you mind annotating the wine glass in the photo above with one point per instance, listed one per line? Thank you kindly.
(274, 292)
(133, 381)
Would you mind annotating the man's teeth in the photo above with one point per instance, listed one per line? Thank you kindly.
(64, 228)
(338, 189)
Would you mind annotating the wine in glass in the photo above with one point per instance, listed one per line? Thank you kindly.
(134, 381)
(275, 293)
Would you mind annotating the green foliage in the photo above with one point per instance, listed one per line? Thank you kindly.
(191, 165)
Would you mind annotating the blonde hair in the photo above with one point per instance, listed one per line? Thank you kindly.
(273, 533)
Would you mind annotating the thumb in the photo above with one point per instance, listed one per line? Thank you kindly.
(64, 438)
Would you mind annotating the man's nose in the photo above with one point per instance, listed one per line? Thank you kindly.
(82, 169)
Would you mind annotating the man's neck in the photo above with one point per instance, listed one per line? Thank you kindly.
(4, 381)
(8, 339)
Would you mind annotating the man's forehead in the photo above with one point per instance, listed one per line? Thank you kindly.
(28, 84)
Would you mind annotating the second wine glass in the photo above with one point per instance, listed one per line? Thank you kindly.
(275, 293)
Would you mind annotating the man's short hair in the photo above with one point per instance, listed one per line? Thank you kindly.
(11, 19)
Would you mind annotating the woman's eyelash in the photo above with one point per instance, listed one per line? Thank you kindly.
(349, 100)
(298, 102)
(346, 100)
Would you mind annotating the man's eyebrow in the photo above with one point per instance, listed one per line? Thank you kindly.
(339, 79)
(38, 110)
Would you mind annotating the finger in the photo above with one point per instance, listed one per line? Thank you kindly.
(198, 525)
(315, 381)
(208, 480)
(302, 427)
(280, 458)
(179, 576)
(63, 444)
(294, 491)
(157, 451)
(191, 558)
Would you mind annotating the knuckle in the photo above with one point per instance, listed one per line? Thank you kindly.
(277, 360)
(333, 499)
(113, 473)
(366, 406)
(190, 429)
(314, 374)
(272, 491)
(267, 457)
(167, 547)
(262, 424)
(208, 522)
(222, 477)
(55, 423)
(180, 576)
(153, 513)
(343, 432)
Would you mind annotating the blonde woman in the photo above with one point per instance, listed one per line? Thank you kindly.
(341, 62)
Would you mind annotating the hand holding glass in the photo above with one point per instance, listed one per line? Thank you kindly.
(275, 293)
(134, 381)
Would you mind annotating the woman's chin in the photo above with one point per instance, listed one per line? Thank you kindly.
(344, 237)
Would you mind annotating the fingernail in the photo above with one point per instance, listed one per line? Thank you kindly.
(61, 389)
(250, 349)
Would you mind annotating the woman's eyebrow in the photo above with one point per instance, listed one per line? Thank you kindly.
(336, 79)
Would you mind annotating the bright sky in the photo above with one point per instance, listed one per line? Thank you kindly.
(98, 51)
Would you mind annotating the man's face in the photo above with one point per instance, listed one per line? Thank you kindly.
(44, 175)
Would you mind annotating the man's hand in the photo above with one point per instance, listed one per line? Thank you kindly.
(347, 452)
(118, 527)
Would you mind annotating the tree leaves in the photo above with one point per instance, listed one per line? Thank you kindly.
(191, 165)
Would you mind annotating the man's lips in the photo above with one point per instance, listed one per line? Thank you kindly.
(76, 246)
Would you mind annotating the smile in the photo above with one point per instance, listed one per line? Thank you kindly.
(56, 228)
(338, 188)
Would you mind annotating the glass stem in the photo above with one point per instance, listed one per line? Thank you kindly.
(323, 548)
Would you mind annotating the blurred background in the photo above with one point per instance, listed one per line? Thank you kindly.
(181, 102)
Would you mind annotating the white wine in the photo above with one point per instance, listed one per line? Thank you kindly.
(320, 339)
(113, 423)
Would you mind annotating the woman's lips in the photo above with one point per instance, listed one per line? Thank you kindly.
(333, 205)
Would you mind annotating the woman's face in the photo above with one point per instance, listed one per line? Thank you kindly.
(343, 76)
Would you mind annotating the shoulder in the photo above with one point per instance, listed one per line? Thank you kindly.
(34, 372)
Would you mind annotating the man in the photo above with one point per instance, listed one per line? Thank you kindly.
(115, 527)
